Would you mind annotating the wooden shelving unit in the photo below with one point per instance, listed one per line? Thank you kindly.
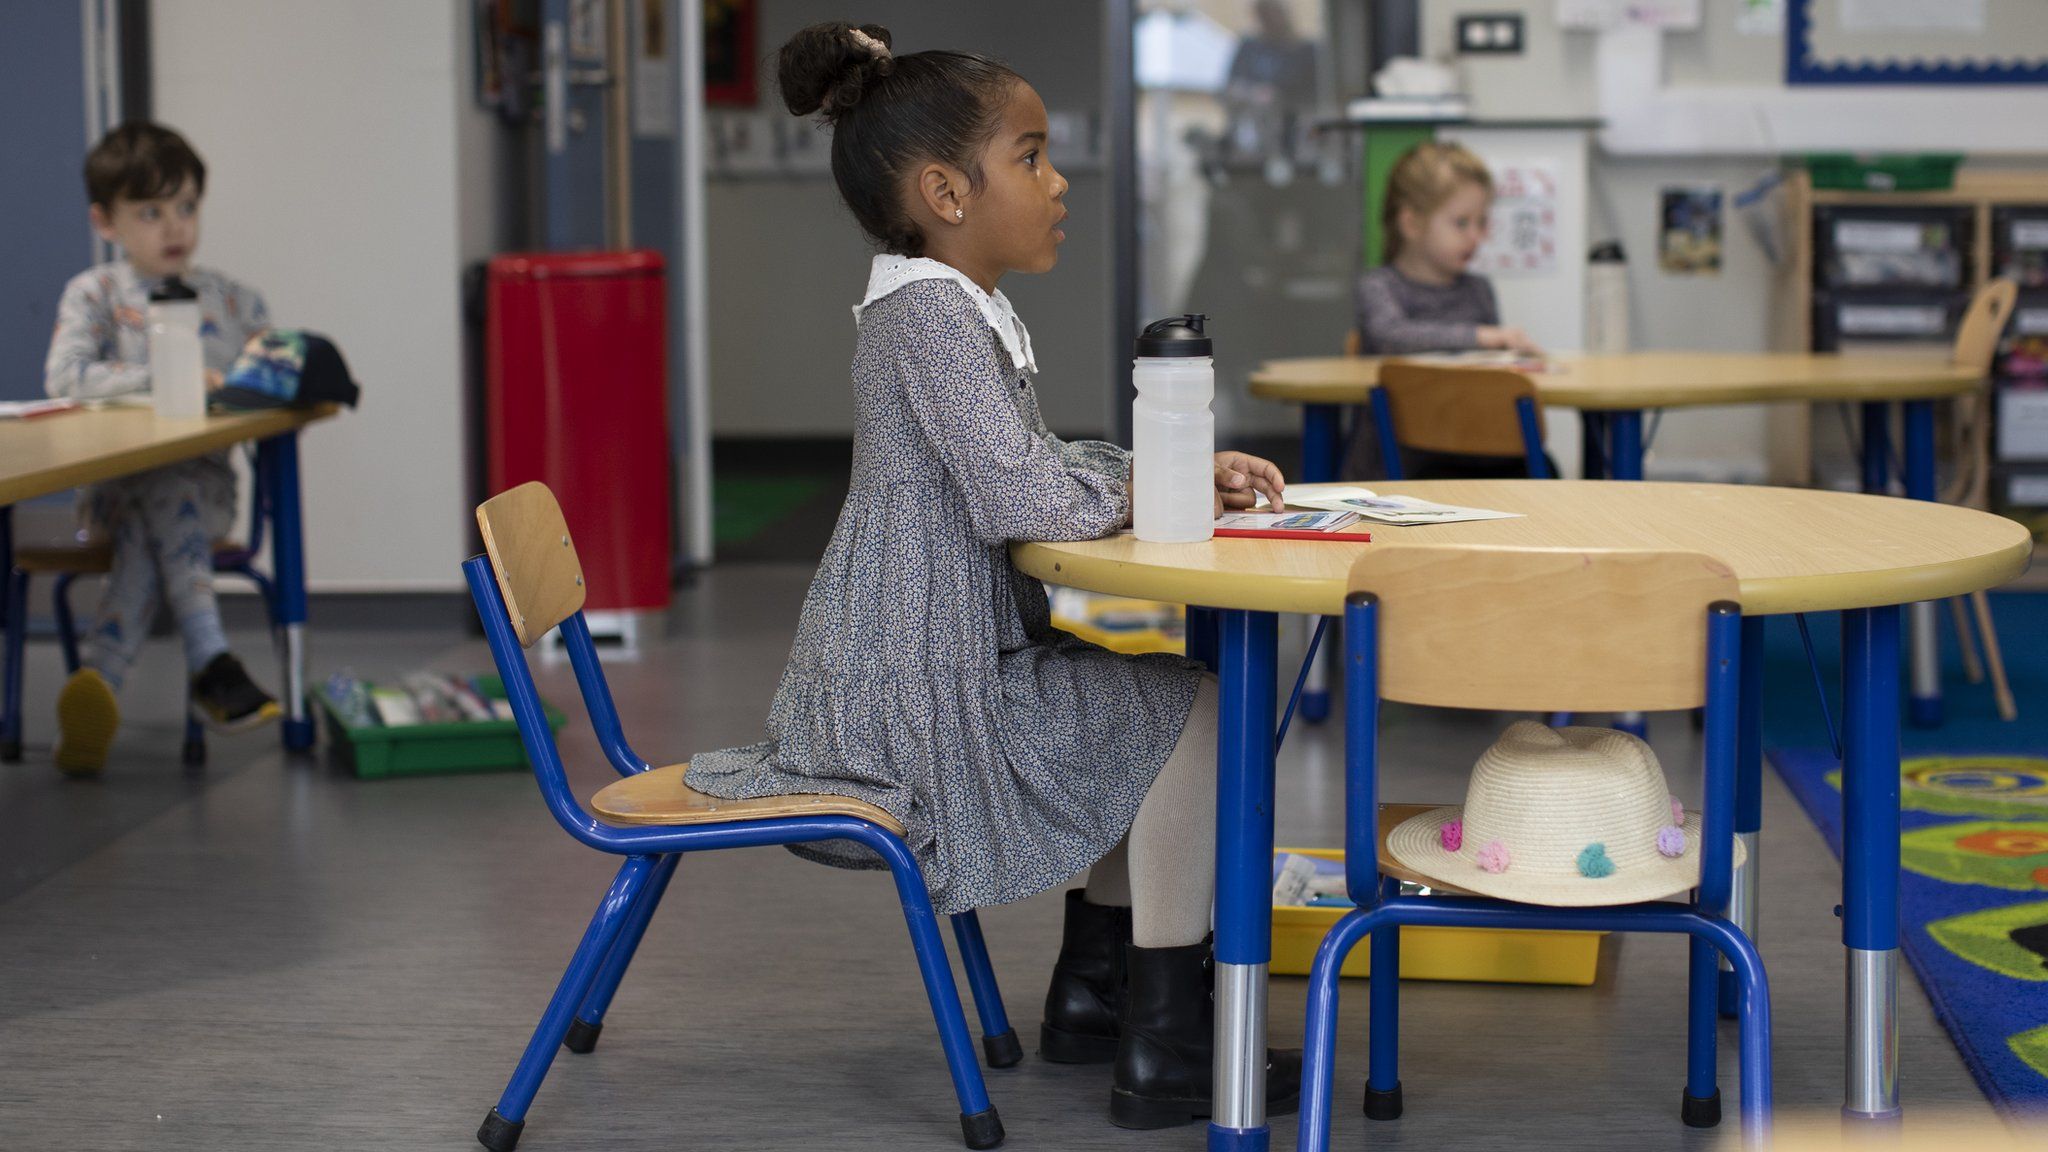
(1793, 433)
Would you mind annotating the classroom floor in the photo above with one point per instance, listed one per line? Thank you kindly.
(275, 955)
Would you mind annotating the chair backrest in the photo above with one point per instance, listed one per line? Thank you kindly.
(1467, 411)
(1977, 339)
(1542, 631)
(534, 559)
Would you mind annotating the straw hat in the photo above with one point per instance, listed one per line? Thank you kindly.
(1571, 817)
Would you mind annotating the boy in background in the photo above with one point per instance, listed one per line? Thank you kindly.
(144, 183)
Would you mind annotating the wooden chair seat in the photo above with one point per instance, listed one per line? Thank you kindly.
(88, 559)
(661, 797)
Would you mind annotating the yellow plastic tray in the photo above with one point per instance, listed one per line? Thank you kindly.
(1125, 640)
(1498, 956)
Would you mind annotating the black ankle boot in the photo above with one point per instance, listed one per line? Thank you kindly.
(1087, 992)
(1165, 1052)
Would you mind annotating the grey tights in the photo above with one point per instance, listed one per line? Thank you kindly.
(1165, 866)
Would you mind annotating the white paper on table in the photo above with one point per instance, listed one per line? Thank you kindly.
(1405, 511)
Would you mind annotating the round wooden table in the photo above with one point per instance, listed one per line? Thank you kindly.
(1793, 550)
(1611, 393)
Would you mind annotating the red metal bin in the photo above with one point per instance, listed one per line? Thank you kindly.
(576, 396)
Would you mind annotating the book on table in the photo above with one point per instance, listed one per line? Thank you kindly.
(1296, 524)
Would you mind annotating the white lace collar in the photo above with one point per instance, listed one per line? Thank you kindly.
(889, 272)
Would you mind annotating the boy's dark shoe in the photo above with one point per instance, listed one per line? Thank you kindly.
(225, 699)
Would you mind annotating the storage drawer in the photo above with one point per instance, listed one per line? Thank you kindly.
(1891, 248)
(2023, 423)
(1916, 318)
(2019, 243)
(2020, 488)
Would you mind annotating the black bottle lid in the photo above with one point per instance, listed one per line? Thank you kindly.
(172, 289)
(1607, 252)
(1175, 336)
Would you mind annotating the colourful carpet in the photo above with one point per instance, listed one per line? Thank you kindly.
(1974, 849)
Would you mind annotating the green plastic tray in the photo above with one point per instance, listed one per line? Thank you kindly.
(1921, 172)
(374, 751)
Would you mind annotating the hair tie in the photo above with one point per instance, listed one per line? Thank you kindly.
(874, 47)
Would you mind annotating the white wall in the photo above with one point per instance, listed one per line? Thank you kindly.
(335, 154)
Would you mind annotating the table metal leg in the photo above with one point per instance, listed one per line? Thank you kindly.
(277, 463)
(1625, 462)
(1870, 859)
(1749, 796)
(1248, 653)
(14, 621)
(1322, 443)
(1593, 445)
(1877, 451)
(1925, 709)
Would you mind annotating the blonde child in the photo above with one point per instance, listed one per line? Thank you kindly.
(1422, 299)
(926, 677)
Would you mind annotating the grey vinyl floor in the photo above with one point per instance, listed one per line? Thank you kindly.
(274, 955)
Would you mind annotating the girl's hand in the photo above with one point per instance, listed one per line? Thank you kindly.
(1240, 478)
(214, 380)
(1511, 339)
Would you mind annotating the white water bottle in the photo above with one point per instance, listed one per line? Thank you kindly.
(1173, 433)
(177, 362)
(1607, 300)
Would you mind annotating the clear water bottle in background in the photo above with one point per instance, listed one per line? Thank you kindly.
(177, 363)
(1607, 299)
(1173, 433)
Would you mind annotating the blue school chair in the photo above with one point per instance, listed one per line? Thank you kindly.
(1519, 630)
(531, 582)
(67, 562)
(1483, 412)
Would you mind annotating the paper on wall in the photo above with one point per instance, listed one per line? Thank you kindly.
(1521, 237)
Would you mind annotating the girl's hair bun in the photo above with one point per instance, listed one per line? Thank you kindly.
(825, 68)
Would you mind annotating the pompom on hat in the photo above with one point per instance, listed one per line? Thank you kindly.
(1569, 817)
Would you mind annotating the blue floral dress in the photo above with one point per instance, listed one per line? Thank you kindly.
(926, 677)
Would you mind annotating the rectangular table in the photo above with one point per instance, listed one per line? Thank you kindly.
(49, 454)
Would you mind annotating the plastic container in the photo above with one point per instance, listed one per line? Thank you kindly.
(1885, 318)
(1607, 299)
(1173, 433)
(1492, 955)
(2019, 242)
(576, 396)
(1845, 171)
(1120, 624)
(1893, 249)
(374, 751)
(177, 361)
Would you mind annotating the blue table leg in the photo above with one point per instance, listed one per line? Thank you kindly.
(1625, 462)
(277, 466)
(1593, 445)
(1870, 858)
(1877, 450)
(1926, 645)
(1749, 796)
(14, 628)
(1248, 653)
(1626, 459)
(1322, 443)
